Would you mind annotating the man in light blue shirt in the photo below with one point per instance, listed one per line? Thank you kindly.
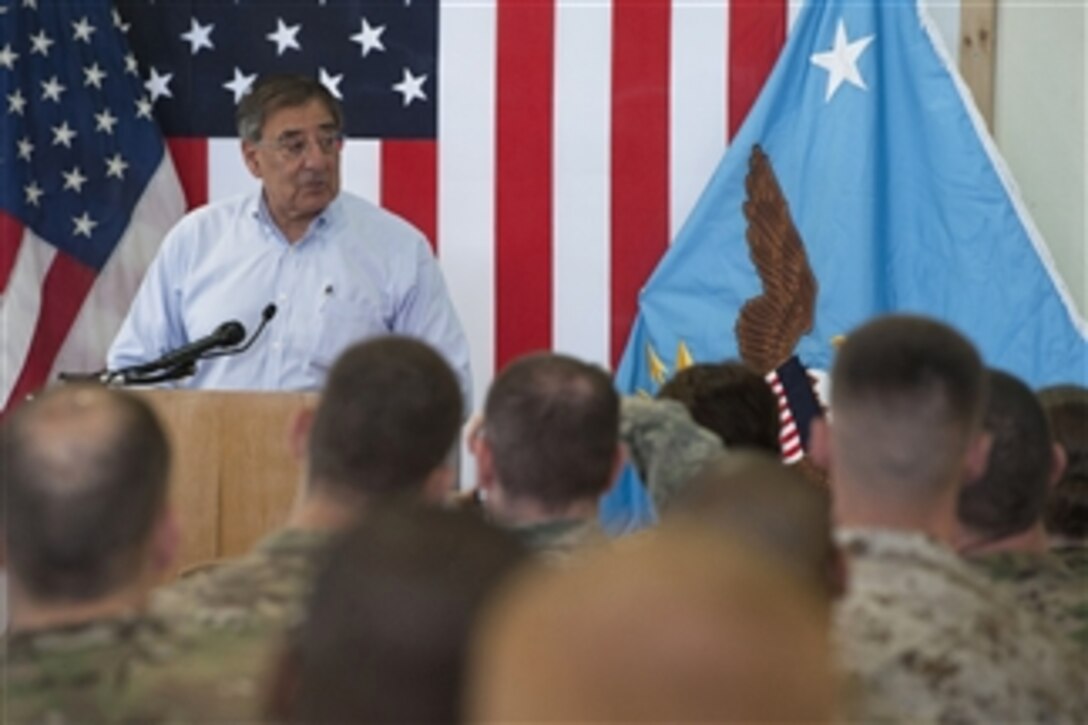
(338, 268)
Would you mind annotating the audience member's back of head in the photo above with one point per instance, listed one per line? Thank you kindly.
(390, 618)
(673, 625)
(1009, 497)
(552, 425)
(1066, 515)
(84, 474)
(753, 497)
(906, 401)
(389, 414)
(731, 400)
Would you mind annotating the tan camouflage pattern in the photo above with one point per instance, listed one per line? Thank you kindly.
(1075, 557)
(261, 591)
(923, 634)
(132, 668)
(667, 447)
(557, 540)
(1047, 586)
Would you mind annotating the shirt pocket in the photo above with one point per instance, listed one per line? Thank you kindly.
(341, 323)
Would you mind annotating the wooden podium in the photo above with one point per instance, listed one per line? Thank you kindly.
(233, 474)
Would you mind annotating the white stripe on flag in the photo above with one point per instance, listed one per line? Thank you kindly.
(227, 172)
(20, 305)
(466, 175)
(361, 169)
(581, 188)
(698, 102)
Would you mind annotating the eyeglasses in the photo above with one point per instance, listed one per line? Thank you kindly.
(293, 147)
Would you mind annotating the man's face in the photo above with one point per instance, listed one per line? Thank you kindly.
(298, 162)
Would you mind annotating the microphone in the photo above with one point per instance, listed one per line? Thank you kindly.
(229, 333)
(266, 316)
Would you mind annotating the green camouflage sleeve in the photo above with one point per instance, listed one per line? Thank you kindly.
(667, 447)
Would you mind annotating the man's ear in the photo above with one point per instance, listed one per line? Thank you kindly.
(977, 458)
(253, 162)
(480, 448)
(819, 442)
(165, 541)
(298, 437)
(1058, 461)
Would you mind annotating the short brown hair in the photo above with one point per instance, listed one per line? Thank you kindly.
(388, 416)
(730, 399)
(906, 395)
(553, 426)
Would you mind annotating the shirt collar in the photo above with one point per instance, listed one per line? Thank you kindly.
(324, 220)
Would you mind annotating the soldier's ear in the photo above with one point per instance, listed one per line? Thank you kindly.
(165, 541)
(819, 442)
(298, 437)
(1058, 461)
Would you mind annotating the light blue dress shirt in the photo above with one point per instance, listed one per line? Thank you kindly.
(358, 272)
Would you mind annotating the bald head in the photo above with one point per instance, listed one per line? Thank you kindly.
(85, 474)
(674, 625)
(771, 507)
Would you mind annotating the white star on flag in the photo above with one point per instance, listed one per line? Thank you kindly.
(198, 36)
(93, 76)
(143, 108)
(159, 85)
(331, 82)
(131, 66)
(51, 89)
(285, 37)
(8, 57)
(118, 22)
(105, 121)
(74, 179)
(84, 225)
(411, 87)
(841, 62)
(240, 84)
(40, 43)
(369, 38)
(115, 166)
(26, 148)
(33, 193)
(63, 135)
(16, 102)
(82, 30)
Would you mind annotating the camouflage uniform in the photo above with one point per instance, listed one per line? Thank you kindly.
(923, 633)
(1075, 557)
(134, 667)
(1047, 586)
(557, 540)
(668, 447)
(264, 590)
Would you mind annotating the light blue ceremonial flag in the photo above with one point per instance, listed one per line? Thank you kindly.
(901, 200)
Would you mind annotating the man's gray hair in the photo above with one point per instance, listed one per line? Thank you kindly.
(273, 92)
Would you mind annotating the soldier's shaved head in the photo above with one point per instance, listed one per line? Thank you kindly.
(668, 626)
(84, 474)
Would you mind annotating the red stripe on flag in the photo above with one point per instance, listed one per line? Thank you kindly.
(65, 287)
(410, 183)
(757, 30)
(640, 154)
(523, 183)
(190, 157)
(11, 238)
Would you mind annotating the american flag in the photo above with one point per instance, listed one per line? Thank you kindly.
(550, 149)
(87, 189)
